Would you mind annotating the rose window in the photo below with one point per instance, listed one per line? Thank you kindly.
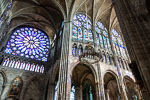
(29, 42)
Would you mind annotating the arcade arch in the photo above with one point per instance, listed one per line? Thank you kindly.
(83, 83)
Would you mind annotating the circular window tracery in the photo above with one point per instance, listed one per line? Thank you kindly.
(29, 42)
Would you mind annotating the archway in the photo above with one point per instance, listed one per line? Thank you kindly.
(131, 88)
(111, 87)
(35, 88)
(2, 82)
(83, 83)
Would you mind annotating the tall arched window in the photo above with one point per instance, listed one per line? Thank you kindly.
(102, 36)
(82, 28)
(74, 49)
(118, 43)
(80, 50)
(28, 42)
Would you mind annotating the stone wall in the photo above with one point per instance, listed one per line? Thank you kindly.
(34, 84)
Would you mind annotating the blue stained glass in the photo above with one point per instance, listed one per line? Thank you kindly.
(100, 25)
(98, 30)
(90, 36)
(81, 17)
(105, 33)
(87, 25)
(83, 26)
(72, 93)
(79, 33)
(8, 50)
(105, 42)
(75, 32)
(115, 32)
(101, 41)
(85, 35)
(97, 38)
(77, 23)
(0, 22)
(29, 42)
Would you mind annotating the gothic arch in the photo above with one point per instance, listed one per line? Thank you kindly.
(131, 88)
(84, 79)
(81, 8)
(113, 73)
(3, 81)
(129, 78)
(86, 64)
(4, 76)
(111, 86)
(35, 85)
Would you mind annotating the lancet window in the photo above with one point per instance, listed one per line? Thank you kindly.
(102, 36)
(74, 50)
(118, 44)
(82, 28)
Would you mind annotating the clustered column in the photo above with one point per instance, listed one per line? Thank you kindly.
(64, 79)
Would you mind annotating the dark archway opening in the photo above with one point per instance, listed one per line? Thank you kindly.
(111, 87)
(83, 83)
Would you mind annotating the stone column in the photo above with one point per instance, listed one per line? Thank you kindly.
(107, 94)
(120, 83)
(125, 66)
(5, 92)
(66, 52)
(94, 36)
(77, 93)
(135, 32)
(80, 92)
(51, 91)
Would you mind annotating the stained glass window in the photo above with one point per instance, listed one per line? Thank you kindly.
(80, 50)
(72, 93)
(30, 43)
(56, 92)
(102, 36)
(74, 50)
(23, 65)
(82, 28)
(118, 43)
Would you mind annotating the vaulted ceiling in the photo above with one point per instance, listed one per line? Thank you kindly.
(48, 14)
